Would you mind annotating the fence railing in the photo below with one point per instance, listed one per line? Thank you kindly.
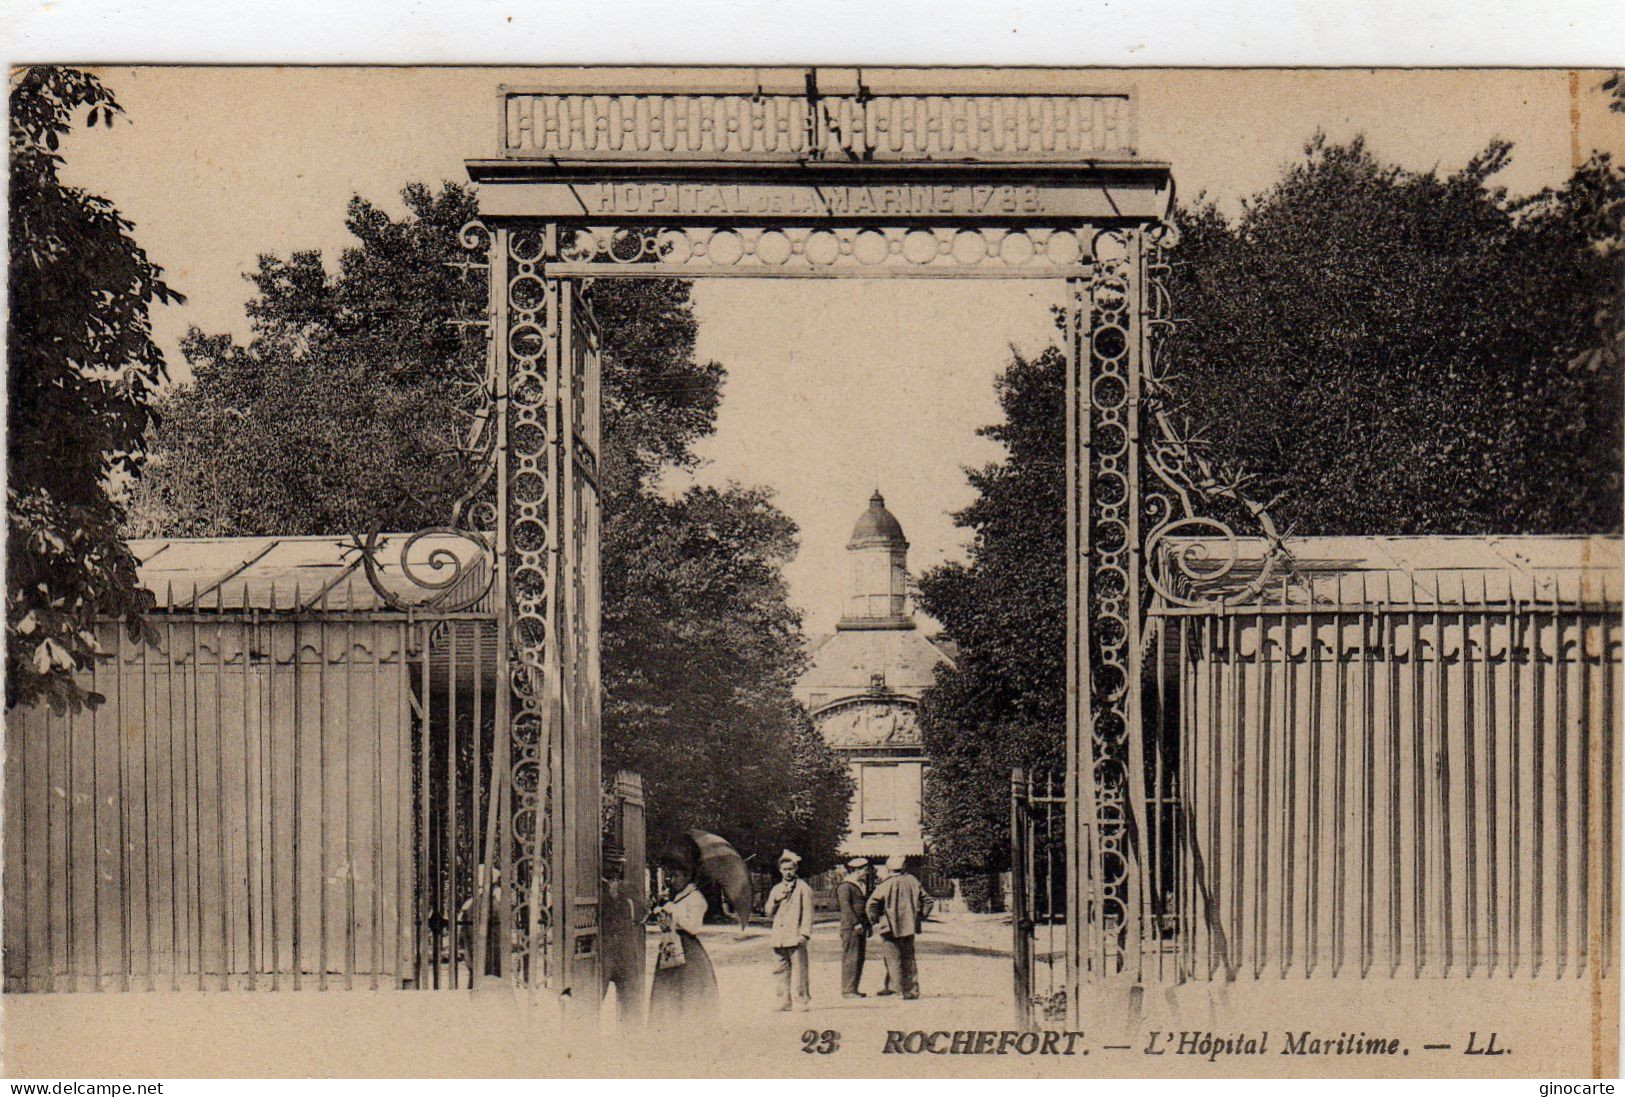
(797, 124)
(1375, 788)
(279, 799)
(1040, 944)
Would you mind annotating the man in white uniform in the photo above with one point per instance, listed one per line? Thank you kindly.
(790, 905)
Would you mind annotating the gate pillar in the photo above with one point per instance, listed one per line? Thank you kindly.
(547, 819)
(1107, 322)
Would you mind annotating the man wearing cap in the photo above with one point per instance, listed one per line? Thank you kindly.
(896, 909)
(790, 905)
(855, 928)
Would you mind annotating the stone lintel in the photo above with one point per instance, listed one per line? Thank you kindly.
(983, 198)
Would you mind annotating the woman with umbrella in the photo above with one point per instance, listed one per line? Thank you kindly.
(685, 984)
(721, 864)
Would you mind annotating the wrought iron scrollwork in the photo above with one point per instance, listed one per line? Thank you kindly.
(1150, 487)
(440, 577)
(529, 349)
(1109, 347)
(1190, 553)
(442, 573)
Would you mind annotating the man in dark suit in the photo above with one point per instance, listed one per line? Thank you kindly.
(855, 929)
(897, 907)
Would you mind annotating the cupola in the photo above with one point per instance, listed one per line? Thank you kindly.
(879, 560)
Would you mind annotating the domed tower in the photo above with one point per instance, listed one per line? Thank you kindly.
(879, 560)
(862, 687)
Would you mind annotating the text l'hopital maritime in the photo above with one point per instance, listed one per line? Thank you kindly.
(1204, 1044)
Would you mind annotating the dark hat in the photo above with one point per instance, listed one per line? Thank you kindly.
(676, 858)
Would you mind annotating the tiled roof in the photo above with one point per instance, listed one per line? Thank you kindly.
(846, 661)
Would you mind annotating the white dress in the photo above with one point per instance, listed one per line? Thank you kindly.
(687, 994)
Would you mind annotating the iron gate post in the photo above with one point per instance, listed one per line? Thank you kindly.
(1021, 944)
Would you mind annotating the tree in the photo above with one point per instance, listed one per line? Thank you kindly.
(1003, 703)
(340, 416)
(80, 374)
(1400, 352)
(1382, 351)
(701, 649)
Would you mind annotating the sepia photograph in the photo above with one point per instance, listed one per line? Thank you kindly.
(813, 571)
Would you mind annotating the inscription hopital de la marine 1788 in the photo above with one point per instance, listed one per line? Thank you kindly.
(825, 199)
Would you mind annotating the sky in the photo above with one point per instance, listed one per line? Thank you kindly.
(834, 388)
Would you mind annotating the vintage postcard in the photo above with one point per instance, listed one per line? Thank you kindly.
(823, 571)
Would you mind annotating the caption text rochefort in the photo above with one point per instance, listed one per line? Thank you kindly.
(1198, 1043)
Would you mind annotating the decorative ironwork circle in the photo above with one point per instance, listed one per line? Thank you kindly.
(773, 248)
(1109, 391)
(726, 248)
(870, 247)
(1110, 489)
(1110, 246)
(526, 292)
(527, 341)
(1110, 341)
(525, 244)
(529, 536)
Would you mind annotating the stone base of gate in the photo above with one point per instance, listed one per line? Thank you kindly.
(1444, 1027)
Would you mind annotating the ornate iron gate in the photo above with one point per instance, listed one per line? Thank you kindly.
(282, 791)
(1374, 772)
(1038, 898)
(788, 179)
(546, 410)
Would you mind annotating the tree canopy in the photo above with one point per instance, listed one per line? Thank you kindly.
(81, 371)
(1403, 352)
(1381, 351)
(341, 415)
(1003, 703)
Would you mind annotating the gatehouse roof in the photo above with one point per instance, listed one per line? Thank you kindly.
(305, 573)
(1425, 570)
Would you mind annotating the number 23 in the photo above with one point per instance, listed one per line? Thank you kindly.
(814, 1042)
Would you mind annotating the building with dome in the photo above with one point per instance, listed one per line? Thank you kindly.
(863, 689)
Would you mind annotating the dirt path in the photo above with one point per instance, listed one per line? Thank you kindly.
(965, 981)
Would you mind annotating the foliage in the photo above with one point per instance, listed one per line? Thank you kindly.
(1399, 352)
(701, 650)
(80, 374)
(342, 415)
(1003, 704)
(1381, 351)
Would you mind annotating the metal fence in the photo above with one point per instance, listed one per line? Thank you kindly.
(277, 792)
(1038, 909)
(1364, 780)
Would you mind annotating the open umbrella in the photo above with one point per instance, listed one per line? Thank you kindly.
(719, 861)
